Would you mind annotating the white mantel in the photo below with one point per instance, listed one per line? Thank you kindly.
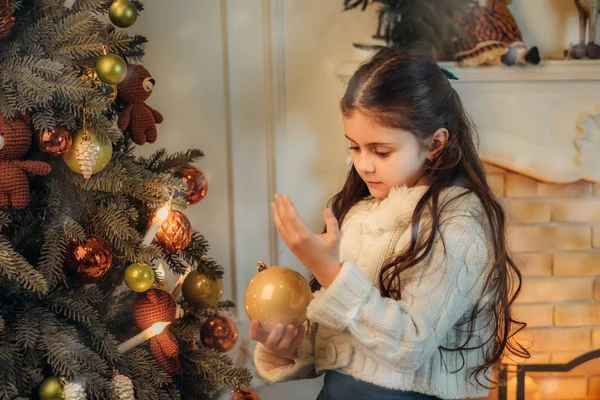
(542, 121)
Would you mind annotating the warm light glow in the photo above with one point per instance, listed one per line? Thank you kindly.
(163, 212)
(158, 327)
(160, 271)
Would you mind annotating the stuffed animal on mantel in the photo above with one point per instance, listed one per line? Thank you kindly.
(137, 117)
(492, 37)
(15, 139)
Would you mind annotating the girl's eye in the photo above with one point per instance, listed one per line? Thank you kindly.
(382, 154)
(353, 148)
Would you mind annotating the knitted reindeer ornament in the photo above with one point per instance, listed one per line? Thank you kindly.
(15, 138)
(156, 305)
(138, 118)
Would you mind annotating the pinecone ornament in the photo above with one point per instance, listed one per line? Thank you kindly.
(73, 391)
(87, 154)
(122, 388)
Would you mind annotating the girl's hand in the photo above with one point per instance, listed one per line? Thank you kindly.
(282, 341)
(318, 252)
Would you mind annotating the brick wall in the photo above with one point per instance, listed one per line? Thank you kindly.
(554, 235)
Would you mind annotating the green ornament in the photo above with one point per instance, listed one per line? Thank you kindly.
(139, 277)
(122, 13)
(111, 69)
(51, 389)
(200, 291)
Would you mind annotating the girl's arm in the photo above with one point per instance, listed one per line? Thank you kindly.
(278, 369)
(439, 291)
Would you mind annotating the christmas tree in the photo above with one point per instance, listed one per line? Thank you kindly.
(86, 225)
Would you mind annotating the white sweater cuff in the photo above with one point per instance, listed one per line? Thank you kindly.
(337, 305)
(277, 369)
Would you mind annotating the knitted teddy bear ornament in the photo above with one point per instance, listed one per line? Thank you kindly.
(15, 138)
(156, 305)
(137, 117)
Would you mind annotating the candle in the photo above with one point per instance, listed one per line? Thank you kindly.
(157, 221)
(177, 289)
(141, 337)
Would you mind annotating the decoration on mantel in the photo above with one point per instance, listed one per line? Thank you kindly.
(492, 37)
(588, 12)
(400, 24)
(533, 121)
(587, 140)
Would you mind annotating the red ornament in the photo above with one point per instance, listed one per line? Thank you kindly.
(219, 333)
(175, 233)
(55, 142)
(243, 394)
(197, 184)
(90, 260)
(156, 305)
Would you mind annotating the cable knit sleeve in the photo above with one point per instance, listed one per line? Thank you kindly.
(278, 369)
(435, 294)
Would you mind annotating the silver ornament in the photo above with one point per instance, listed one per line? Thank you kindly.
(122, 388)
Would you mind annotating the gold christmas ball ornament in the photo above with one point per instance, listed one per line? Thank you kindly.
(87, 156)
(51, 389)
(277, 295)
(56, 141)
(197, 184)
(175, 233)
(90, 260)
(139, 277)
(90, 76)
(200, 291)
(111, 69)
(219, 333)
(122, 13)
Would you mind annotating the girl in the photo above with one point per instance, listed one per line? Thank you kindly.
(413, 296)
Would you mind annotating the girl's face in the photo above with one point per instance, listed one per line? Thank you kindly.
(384, 157)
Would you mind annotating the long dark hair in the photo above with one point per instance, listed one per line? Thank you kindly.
(408, 90)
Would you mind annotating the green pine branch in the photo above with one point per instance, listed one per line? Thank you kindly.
(14, 267)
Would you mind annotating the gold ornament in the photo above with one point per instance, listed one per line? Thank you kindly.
(87, 156)
(111, 69)
(200, 291)
(121, 387)
(122, 13)
(219, 333)
(90, 76)
(51, 389)
(277, 295)
(197, 184)
(55, 142)
(139, 277)
(90, 260)
(73, 391)
(175, 233)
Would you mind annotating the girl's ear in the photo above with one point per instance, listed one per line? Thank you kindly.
(436, 143)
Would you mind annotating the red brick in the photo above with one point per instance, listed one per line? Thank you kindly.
(544, 238)
(576, 263)
(533, 263)
(538, 290)
(556, 339)
(577, 314)
(576, 210)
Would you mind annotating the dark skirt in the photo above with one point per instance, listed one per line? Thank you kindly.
(340, 386)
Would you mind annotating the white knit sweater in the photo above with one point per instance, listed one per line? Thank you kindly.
(393, 343)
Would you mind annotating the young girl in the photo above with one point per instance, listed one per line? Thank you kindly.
(413, 295)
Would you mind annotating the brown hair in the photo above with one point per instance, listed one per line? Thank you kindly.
(408, 90)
